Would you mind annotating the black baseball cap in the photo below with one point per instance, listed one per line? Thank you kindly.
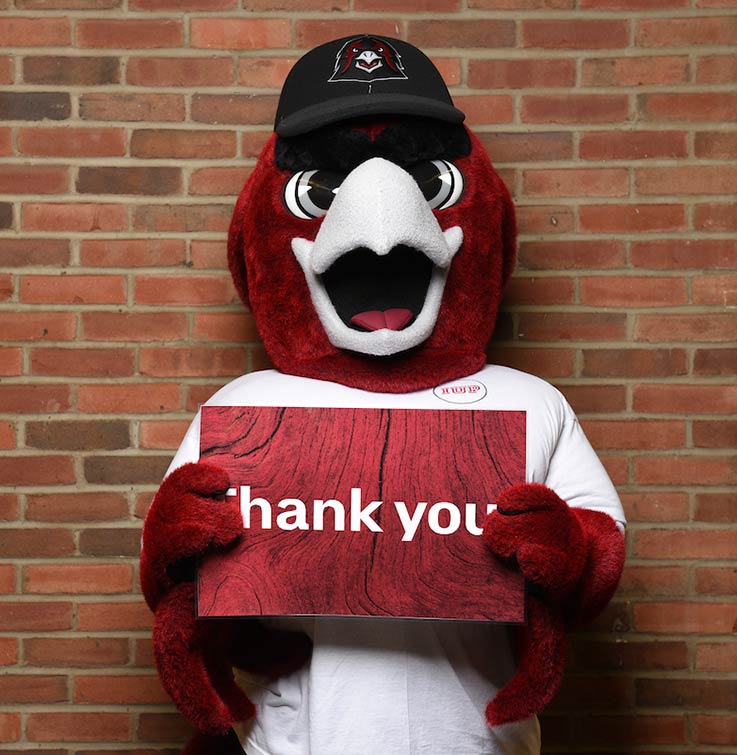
(365, 74)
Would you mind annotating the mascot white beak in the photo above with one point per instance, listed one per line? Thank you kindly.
(379, 207)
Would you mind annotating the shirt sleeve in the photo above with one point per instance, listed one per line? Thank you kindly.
(577, 475)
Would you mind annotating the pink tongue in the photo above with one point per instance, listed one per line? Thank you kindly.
(393, 319)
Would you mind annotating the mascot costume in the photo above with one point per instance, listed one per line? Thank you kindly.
(372, 243)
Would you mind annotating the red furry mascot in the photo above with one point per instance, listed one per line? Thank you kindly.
(372, 243)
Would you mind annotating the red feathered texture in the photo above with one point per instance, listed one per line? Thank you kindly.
(576, 555)
(201, 744)
(185, 519)
(541, 651)
(191, 658)
(268, 276)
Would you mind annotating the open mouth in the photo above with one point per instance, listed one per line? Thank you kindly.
(370, 292)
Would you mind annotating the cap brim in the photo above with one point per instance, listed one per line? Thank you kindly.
(324, 113)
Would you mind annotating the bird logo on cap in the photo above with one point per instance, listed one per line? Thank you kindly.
(367, 59)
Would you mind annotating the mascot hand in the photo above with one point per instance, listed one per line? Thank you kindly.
(188, 517)
(575, 555)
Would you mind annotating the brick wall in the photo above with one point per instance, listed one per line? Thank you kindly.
(127, 128)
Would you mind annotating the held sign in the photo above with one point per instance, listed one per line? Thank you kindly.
(374, 512)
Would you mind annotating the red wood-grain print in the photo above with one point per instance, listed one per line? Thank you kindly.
(414, 555)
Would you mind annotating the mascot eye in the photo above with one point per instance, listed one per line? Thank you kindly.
(309, 193)
(440, 181)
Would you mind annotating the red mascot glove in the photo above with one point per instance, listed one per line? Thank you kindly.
(574, 557)
(188, 517)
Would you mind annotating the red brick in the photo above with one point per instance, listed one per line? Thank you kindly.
(683, 470)
(715, 289)
(299, 5)
(632, 145)
(129, 398)
(76, 507)
(575, 108)
(218, 181)
(179, 72)
(485, 33)
(43, 141)
(715, 434)
(68, 4)
(544, 219)
(240, 33)
(192, 361)
(631, 218)
(194, 218)
(629, 291)
(73, 289)
(634, 729)
(36, 542)
(113, 106)
(34, 32)
(134, 326)
(685, 399)
(7, 434)
(715, 730)
(656, 506)
(24, 616)
(74, 217)
(685, 544)
(514, 148)
(10, 727)
(520, 74)
(125, 180)
(154, 252)
(113, 616)
(577, 182)
(540, 291)
(437, 6)
(683, 254)
(32, 688)
(629, 655)
(567, 255)
(632, 4)
(163, 727)
(689, 106)
(7, 579)
(488, 108)
(161, 434)
(635, 434)
(76, 435)
(715, 217)
(598, 399)
(65, 70)
(33, 179)
(634, 362)
(687, 693)
(635, 71)
(715, 361)
(184, 5)
(701, 179)
(716, 144)
(704, 328)
(312, 32)
(716, 69)
(9, 508)
(574, 34)
(34, 106)
(121, 689)
(75, 726)
(592, 692)
(144, 652)
(252, 142)
(37, 470)
(77, 579)
(10, 361)
(232, 327)
(161, 143)
(18, 252)
(548, 363)
(33, 399)
(717, 580)
(198, 394)
(715, 507)
(673, 32)
(570, 326)
(8, 651)
(234, 108)
(268, 73)
(129, 33)
(6, 75)
(75, 652)
(192, 290)
(653, 581)
(6, 142)
(716, 656)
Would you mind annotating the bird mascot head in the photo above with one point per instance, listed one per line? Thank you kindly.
(374, 238)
